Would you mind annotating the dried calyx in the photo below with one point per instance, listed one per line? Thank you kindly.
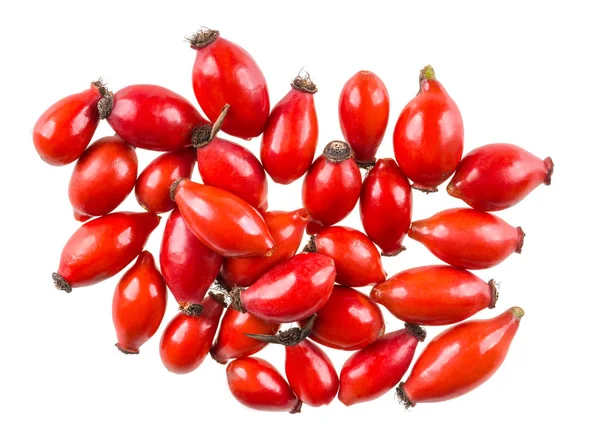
(402, 397)
(493, 293)
(311, 246)
(304, 83)
(173, 188)
(60, 283)
(235, 300)
(193, 310)
(417, 331)
(289, 337)
(105, 105)
(337, 151)
(202, 38)
(203, 134)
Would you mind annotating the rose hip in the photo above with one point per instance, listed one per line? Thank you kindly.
(460, 359)
(258, 385)
(188, 266)
(348, 321)
(139, 304)
(287, 229)
(331, 187)
(232, 341)
(153, 118)
(291, 291)
(497, 176)
(221, 220)
(290, 137)
(103, 247)
(374, 370)
(65, 129)
(153, 184)
(386, 206)
(435, 295)
(364, 110)
(357, 261)
(187, 339)
(428, 138)
(102, 178)
(225, 73)
(467, 238)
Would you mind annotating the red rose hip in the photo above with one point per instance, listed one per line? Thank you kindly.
(467, 238)
(290, 137)
(364, 110)
(428, 138)
(102, 178)
(497, 176)
(139, 304)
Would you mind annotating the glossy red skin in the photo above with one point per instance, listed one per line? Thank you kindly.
(311, 374)
(497, 176)
(232, 167)
(434, 295)
(223, 221)
(153, 184)
(467, 238)
(348, 321)
(374, 370)
(154, 118)
(290, 138)
(331, 190)
(139, 304)
(65, 129)
(258, 385)
(188, 266)
(357, 260)
(102, 178)
(386, 206)
(187, 339)
(225, 73)
(287, 229)
(292, 290)
(103, 247)
(461, 358)
(364, 111)
(231, 341)
(428, 138)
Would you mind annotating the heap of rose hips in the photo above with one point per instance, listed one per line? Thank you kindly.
(221, 237)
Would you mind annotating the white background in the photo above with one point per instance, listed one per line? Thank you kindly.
(520, 72)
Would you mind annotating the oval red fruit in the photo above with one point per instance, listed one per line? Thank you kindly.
(65, 129)
(153, 118)
(231, 340)
(467, 238)
(460, 359)
(428, 138)
(287, 229)
(357, 261)
(102, 178)
(103, 247)
(290, 138)
(188, 266)
(187, 339)
(310, 373)
(153, 184)
(331, 187)
(374, 370)
(222, 221)
(225, 73)
(497, 176)
(386, 206)
(435, 295)
(364, 110)
(139, 304)
(258, 385)
(292, 290)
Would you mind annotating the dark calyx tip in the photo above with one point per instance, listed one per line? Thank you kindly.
(402, 397)
(236, 299)
(173, 188)
(311, 246)
(521, 240)
(202, 38)
(425, 189)
(493, 293)
(298, 408)
(204, 134)
(367, 166)
(394, 253)
(60, 283)
(127, 351)
(304, 84)
(416, 330)
(337, 151)
(549, 170)
(193, 310)
(289, 337)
